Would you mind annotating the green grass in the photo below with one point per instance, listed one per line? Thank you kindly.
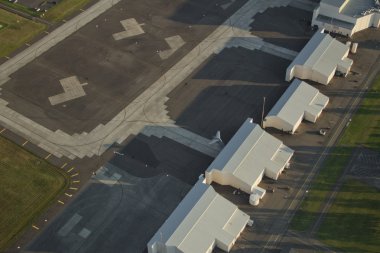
(17, 32)
(353, 222)
(363, 130)
(64, 8)
(28, 185)
(20, 7)
(2, 26)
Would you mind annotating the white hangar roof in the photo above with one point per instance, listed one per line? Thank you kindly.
(203, 219)
(250, 152)
(322, 54)
(298, 99)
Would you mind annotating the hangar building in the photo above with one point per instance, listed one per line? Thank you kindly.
(320, 59)
(202, 221)
(347, 16)
(300, 101)
(250, 154)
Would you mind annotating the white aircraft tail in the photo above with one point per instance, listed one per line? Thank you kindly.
(217, 139)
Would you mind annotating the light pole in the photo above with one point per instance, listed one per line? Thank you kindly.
(262, 114)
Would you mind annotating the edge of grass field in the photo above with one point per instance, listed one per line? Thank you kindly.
(334, 165)
(43, 206)
(64, 9)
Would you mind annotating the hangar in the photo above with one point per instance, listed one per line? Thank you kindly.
(300, 101)
(347, 16)
(321, 58)
(250, 154)
(202, 221)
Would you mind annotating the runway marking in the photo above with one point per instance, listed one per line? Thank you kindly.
(175, 43)
(47, 157)
(84, 233)
(131, 27)
(75, 182)
(2, 130)
(70, 224)
(61, 202)
(63, 166)
(73, 188)
(105, 179)
(68, 195)
(74, 175)
(70, 169)
(24, 143)
(72, 89)
(227, 5)
(35, 227)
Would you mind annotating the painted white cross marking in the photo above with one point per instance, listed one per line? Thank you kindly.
(72, 89)
(132, 28)
(175, 43)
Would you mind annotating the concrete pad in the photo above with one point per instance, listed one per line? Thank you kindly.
(70, 224)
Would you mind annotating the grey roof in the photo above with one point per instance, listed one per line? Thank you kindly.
(351, 8)
(357, 7)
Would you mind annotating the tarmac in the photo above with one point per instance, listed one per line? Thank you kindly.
(147, 136)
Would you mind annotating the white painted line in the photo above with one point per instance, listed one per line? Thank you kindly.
(63, 166)
(84, 233)
(108, 180)
(47, 157)
(26, 142)
(70, 224)
(70, 169)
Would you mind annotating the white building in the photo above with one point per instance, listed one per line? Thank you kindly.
(250, 154)
(300, 101)
(320, 59)
(202, 221)
(347, 16)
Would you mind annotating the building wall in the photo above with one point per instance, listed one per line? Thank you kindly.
(360, 23)
(231, 180)
(272, 174)
(278, 123)
(306, 73)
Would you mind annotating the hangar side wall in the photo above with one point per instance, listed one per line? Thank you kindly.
(229, 179)
(280, 124)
